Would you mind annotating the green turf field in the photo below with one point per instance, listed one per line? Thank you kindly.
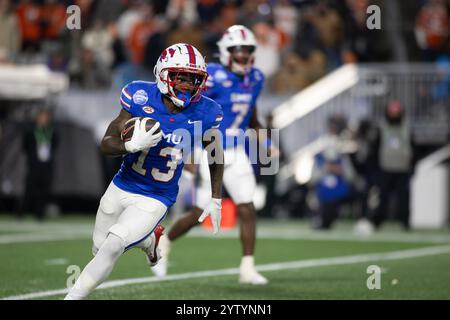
(299, 262)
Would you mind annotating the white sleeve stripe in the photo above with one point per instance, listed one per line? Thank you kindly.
(214, 127)
(126, 94)
(124, 103)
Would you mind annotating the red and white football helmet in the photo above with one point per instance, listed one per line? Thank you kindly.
(181, 58)
(237, 36)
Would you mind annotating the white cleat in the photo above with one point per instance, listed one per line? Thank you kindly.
(252, 277)
(153, 252)
(363, 227)
(160, 269)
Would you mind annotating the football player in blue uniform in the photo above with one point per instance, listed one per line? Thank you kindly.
(235, 84)
(146, 185)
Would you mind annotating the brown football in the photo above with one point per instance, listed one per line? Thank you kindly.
(128, 128)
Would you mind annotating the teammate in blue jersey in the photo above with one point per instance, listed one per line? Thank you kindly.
(146, 185)
(235, 84)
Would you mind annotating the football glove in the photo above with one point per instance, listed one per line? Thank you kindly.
(214, 209)
(142, 139)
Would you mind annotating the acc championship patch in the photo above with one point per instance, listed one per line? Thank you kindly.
(140, 97)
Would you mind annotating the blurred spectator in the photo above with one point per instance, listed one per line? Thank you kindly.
(362, 44)
(365, 164)
(299, 71)
(267, 54)
(228, 16)
(286, 18)
(98, 55)
(109, 10)
(184, 11)
(140, 33)
(87, 8)
(55, 35)
(39, 144)
(255, 11)
(333, 174)
(208, 10)
(330, 29)
(9, 37)
(128, 19)
(53, 20)
(29, 16)
(156, 44)
(432, 28)
(331, 179)
(394, 151)
(186, 32)
(441, 90)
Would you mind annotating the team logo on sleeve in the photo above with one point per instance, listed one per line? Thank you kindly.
(227, 83)
(220, 75)
(148, 109)
(140, 97)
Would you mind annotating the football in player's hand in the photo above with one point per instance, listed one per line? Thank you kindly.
(128, 128)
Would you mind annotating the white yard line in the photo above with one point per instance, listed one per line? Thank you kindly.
(67, 234)
(60, 231)
(25, 238)
(342, 260)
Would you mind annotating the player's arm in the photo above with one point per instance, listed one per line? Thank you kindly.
(112, 143)
(255, 124)
(141, 139)
(215, 160)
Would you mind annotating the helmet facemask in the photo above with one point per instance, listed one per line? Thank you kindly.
(241, 58)
(183, 85)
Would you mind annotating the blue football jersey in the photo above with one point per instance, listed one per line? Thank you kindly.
(155, 172)
(236, 95)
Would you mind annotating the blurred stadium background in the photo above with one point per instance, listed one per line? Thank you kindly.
(329, 80)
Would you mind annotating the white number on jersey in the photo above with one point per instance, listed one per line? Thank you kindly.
(242, 108)
(173, 153)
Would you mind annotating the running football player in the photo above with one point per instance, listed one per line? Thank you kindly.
(146, 185)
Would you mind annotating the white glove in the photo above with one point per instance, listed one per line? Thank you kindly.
(142, 139)
(214, 209)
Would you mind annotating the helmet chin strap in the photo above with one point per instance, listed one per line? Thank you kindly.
(182, 100)
(240, 69)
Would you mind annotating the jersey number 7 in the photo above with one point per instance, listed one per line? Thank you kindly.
(242, 108)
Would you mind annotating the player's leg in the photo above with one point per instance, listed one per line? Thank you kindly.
(184, 224)
(134, 224)
(187, 222)
(107, 247)
(138, 222)
(202, 197)
(240, 183)
(98, 269)
(108, 212)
